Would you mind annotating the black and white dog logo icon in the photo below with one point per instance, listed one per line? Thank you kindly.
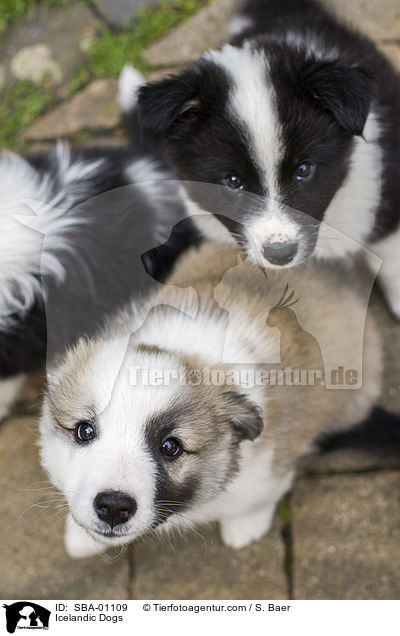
(26, 615)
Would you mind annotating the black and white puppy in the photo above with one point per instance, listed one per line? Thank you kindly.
(74, 229)
(303, 112)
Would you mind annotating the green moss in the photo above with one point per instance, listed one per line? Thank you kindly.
(18, 108)
(284, 511)
(106, 57)
(108, 54)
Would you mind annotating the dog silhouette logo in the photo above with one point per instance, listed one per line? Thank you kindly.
(26, 615)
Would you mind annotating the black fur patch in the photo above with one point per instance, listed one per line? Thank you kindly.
(23, 343)
(171, 497)
(379, 432)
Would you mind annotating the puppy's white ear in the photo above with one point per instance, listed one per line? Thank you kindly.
(129, 82)
(244, 416)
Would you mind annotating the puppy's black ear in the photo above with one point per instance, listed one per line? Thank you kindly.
(345, 91)
(244, 416)
(162, 103)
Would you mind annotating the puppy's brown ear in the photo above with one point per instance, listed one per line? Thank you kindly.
(244, 416)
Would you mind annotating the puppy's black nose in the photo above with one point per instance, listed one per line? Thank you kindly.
(280, 253)
(114, 507)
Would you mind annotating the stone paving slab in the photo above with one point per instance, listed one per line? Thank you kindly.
(94, 108)
(392, 51)
(189, 568)
(379, 20)
(207, 29)
(48, 43)
(34, 564)
(346, 532)
(120, 13)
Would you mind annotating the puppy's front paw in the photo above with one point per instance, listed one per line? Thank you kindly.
(78, 543)
(237, 532)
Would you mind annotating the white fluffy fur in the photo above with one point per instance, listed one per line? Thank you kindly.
(129, 81)
(350, 216)
(30, 211)
(78, 543)
(252, 104)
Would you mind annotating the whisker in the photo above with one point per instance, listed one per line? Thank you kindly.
(171, 521)
(38, 505)
(38, 483)
(57, 516)
(181, 530)
(177, 503)
(31, 489)
(109, 558)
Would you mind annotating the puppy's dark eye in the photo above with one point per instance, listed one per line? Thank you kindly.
(84, 432)
(171, 447)
(305, 171)
(233, 182)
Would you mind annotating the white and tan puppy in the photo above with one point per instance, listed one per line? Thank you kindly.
(155, 424)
